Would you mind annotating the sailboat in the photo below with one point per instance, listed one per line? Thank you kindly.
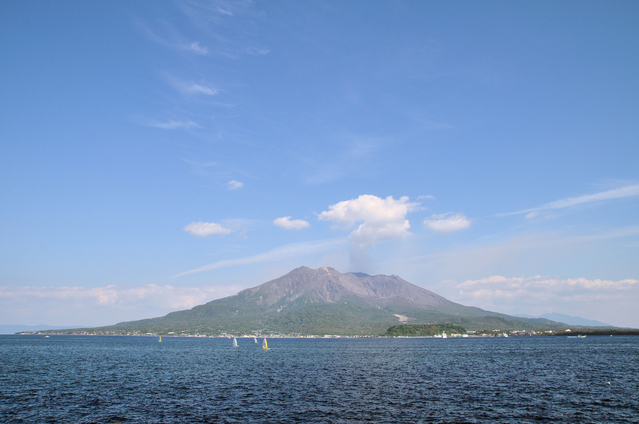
(254, 339)
(234, 342)
(264, 344)
(160, 340)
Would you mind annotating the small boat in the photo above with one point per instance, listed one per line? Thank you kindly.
(254, 339)
(264, 344)
(444, 336)
(581, 336)
(505, 335)
(234, 342)
(160, 340)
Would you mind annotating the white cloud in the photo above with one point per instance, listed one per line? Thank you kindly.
(606, 300)
(618, 193)
(171, 125)
(500, 286)
(383, 218)
(206, 229)
(278, 254)
(288, 224)
(446, 223)
(234, 185)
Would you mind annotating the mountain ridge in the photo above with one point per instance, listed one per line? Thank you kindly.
(324, 301)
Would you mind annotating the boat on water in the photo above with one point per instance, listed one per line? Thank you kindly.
(160, 339)
(581, 336)
(234, 342)
(505, 335)
(264, 344)
(254, 339)
(444, 336)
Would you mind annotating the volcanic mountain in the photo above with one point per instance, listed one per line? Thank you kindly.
(324, 301)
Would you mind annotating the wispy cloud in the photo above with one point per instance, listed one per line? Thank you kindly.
(257, 51)
(290, 224)
(173, 41)
(531, 253)
(192, 88)
(195, 47)
(278, 254)
(447, 223)
(618, 193)
(212, 16)
(213, 12)
(206, 229)
(62, 304)
(172, 125)
(539, 241)
(166, 296)
(349, 156)
(235, 185)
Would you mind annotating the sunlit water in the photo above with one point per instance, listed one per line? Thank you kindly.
(77, 379)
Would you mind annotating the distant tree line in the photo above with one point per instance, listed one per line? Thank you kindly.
(423, 330)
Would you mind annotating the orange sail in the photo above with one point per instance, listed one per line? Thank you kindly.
(264, 344)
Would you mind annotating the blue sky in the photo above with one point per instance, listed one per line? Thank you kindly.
(158, 155)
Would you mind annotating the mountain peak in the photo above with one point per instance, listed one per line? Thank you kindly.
(325, 270)
(325, 301)
(326, 284)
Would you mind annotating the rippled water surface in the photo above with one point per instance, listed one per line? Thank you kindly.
(78, 379)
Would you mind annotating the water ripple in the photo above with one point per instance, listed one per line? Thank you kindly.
(136, 379)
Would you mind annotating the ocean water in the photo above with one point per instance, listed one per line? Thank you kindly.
(84, 379)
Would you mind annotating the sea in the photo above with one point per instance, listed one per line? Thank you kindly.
(118, 379)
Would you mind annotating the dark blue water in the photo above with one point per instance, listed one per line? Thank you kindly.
(75, 379)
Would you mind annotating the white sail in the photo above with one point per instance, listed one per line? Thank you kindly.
(234, 342)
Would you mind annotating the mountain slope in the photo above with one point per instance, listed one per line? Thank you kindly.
(324, 301)
(570, 320)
